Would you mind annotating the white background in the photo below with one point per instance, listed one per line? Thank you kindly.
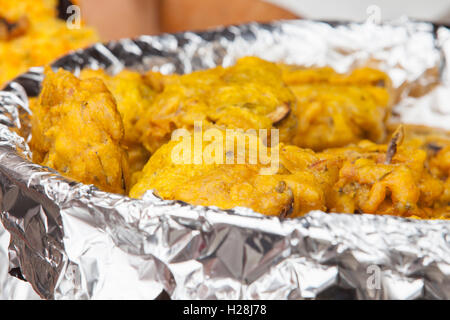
(356, 10)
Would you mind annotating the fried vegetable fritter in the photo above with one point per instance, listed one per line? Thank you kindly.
(406, 177)
(362, 178)
(134, 95)
(250, 94)
(436, 143)
(294, 188)
(77, 130)
(337, 109)
(367, 184)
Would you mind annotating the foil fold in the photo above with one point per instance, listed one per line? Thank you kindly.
(72, 241)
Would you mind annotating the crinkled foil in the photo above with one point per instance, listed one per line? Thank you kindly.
(72, 241)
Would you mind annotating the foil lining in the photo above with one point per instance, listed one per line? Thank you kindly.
(72, 241)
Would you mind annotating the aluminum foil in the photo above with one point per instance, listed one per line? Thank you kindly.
(72, 241)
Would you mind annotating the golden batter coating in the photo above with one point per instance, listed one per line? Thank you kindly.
(337, 109)
(440, 168)
(436, 143)
(134, 95)
(382, 179)
(294, 188)
(77, 130)
(250, 94)
(396, 179)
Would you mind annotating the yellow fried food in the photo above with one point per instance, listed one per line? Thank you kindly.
(439, 166)
(370, 182)
(37, 37)
(395, 179)
(436, 143)
(77, 130)
(250, 94)
(134, 95)
(337, 109)
(296, 186)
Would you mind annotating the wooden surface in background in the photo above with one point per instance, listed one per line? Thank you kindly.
(128, 18)
(181, 15)
(115, 19)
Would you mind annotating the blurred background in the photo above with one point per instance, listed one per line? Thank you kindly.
(155, 16)
(37, 32)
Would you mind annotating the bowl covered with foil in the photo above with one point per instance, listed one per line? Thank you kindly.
(347, 195)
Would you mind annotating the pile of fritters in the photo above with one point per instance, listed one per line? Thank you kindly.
(77, 130)
(335, 152)
(337, 109)
(248, 95)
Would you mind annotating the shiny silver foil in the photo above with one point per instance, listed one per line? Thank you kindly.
(72, 241)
